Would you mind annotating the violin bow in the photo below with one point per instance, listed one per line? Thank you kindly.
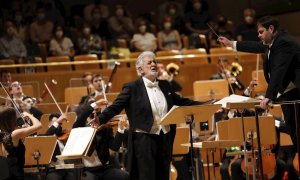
(14, 103)
(53, 98)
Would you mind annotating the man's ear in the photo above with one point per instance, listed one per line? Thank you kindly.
(140, 70)
(271, 28)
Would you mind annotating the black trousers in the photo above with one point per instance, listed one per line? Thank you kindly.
(152, 155)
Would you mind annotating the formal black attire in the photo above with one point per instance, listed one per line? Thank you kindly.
(15, 157)
(149, 155)
(102, 142)
(281, 67)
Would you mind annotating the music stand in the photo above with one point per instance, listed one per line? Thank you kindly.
(188, 115)
(39, 150)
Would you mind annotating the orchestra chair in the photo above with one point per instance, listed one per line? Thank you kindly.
(203, 40)
(48, 108)
(248, 57)
(205, 90)
(111, 64)
(185, 41)
(8, 62)
(73, 95)
(86, 57)
(133, 56)
(45, 122)
(165, 56)
(36, 69)
(262, 84)
(43, 51)
(60, 68)
(195, 60)
(122, 43)
(220, 53)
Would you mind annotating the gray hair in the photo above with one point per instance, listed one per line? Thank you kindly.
(140, 60)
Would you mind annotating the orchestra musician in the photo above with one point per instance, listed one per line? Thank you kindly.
(281, 66)
(146, 101)
(55, 128)
(164, 75)
(97, 164)
(11, 139)
(96, 83)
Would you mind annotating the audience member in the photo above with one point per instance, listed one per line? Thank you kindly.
(21, 26)
(89, 43)
(87, 11)
(195, 23)
(175, 11)
(221, 30)
(100, 24)
(120, 24)
(247, 31)
(143, 40)
(41, 29)
(61, 45)
(10, 46)
(168, 38)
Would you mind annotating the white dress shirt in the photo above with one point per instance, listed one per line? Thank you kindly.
(159, 106)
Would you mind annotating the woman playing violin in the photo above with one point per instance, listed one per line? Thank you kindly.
(11, 139)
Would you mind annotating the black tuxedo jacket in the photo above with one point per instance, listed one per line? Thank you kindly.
(283, 64)
(134, 99)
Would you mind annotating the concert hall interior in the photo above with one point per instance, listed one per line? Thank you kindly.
(74, 95)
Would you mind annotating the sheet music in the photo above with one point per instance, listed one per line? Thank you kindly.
(233, 98)
(78, 141)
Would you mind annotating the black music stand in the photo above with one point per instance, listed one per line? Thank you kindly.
(39, 151)
(188, 115)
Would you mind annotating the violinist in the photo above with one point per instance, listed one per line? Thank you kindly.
(224, 73)
(96, 83)
(55, 121)
(29, 103)
(11, 139)
(97, 163)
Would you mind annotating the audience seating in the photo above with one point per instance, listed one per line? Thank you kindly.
(8, 62)
(58, 59)
(219, 53)
(195, 60)
(87, 57)
(162, 56)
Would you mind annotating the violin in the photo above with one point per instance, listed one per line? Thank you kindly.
(173, 172)
(296, 163)
(64, 136)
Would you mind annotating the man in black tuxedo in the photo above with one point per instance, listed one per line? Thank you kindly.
(281, 66)
(146, 101)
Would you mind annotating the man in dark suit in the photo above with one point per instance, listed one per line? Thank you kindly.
(281, 66)
(146, 101)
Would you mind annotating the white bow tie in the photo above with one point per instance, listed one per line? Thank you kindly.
(152, 84)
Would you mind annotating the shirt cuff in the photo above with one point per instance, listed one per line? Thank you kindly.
(55, 124)
(121, 130)
(234, 45)
(93, 105)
